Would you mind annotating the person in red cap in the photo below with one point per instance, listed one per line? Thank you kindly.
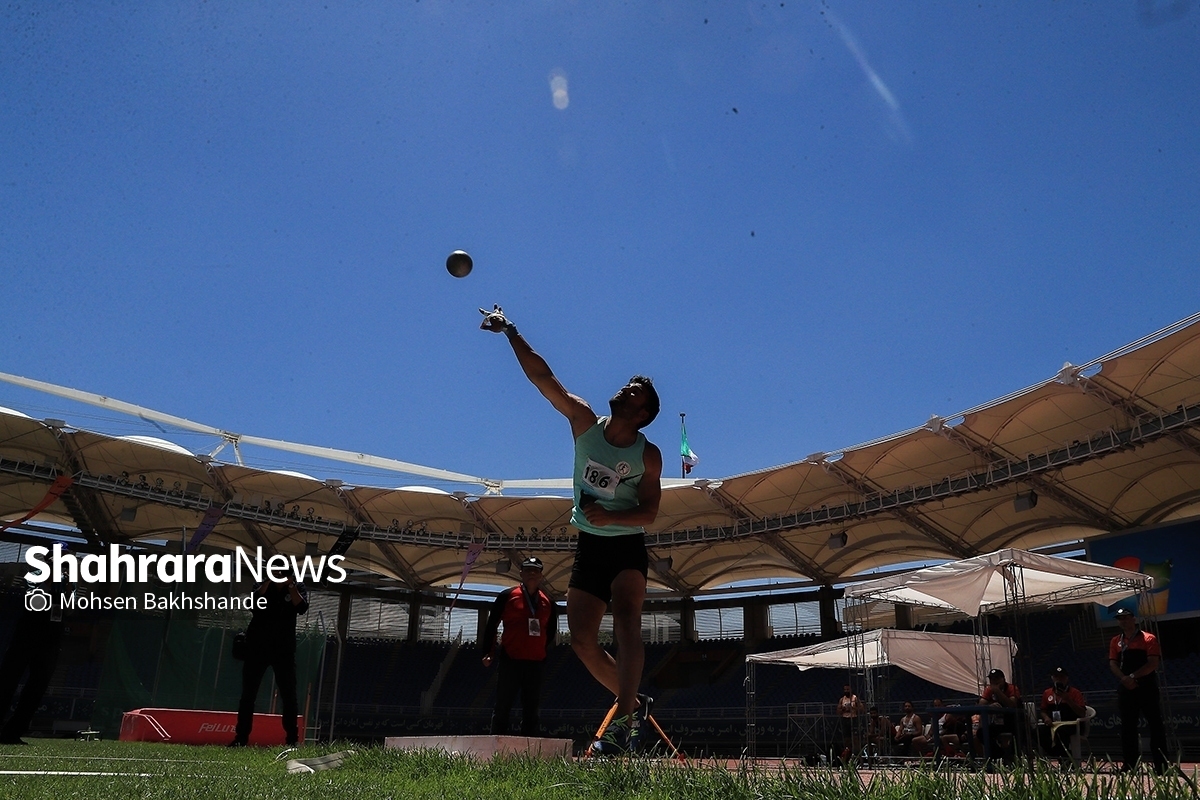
(1133, 657)
(530, 621)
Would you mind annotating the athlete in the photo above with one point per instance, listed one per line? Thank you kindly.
(617, 490)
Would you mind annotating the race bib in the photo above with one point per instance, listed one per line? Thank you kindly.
(600, 481)
(535, 627)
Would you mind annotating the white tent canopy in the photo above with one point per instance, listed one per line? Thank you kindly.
(955, 661)
(988, 583)
(882, 614)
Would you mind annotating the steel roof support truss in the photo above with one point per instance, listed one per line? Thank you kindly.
(1040, 481)
(388, 549)
(908, 516)
(807, 566)
(1135, 408)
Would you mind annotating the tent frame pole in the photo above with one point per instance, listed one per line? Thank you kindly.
(751, 751)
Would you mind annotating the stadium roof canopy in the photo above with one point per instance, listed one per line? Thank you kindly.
(1107, 446)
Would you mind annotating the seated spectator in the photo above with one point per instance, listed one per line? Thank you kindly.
(1001, 727)
(879, 733)
(1062, 702)
(948, 728)
(909, 729)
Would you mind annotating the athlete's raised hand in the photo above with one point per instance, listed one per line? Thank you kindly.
(494, 320)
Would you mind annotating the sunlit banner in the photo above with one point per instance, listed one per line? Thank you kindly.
(1169, 553)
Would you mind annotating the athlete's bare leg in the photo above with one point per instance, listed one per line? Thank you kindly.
(584, 613)
(629, 592)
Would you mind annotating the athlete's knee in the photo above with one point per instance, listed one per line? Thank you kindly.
(627, 601)
(585, 647)
(627, 610)
(583, 637)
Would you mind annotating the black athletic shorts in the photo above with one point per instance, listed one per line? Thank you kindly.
(598, 560)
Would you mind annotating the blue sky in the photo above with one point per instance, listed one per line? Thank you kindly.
(812, 224)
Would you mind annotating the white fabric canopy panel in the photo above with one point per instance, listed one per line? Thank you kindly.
(953, 660)
(987, 583)
(881, 614)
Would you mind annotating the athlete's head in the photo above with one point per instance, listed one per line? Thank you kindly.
(637, 401)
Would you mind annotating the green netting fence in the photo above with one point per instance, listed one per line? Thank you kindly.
(183, 660)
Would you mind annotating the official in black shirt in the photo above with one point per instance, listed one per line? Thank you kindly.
(32, 651)
(271, 642)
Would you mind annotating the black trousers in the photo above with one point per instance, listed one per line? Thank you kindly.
(34, 647)
(283, 662)
(996, 749)
(517, 676)
(847, 732)
(1135, 704)
(1058, 746)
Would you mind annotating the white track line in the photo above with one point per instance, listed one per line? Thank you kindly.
(48, 757)
(83, 774)
(58, 773)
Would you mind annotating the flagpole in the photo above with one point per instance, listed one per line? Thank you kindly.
(682, 471)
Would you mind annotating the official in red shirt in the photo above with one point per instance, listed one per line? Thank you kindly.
(529, 621)
(1133, 657)
(1003, 694)
(1062, 702)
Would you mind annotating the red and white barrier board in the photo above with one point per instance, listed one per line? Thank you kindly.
(189, 726)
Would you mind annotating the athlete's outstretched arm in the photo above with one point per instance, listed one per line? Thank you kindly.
(575, 409)
(649, 496)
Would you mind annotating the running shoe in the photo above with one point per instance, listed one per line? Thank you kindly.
(640, 722)
(615, 741)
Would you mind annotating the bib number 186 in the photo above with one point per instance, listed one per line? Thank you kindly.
(600, 480)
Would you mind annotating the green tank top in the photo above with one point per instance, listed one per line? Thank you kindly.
(610, 474)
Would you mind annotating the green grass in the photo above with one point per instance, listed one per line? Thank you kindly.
(176, 772)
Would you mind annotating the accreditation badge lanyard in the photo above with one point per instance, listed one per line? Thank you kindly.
(1056, 704)
(531, 602)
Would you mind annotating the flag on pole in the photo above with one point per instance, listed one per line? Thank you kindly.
(472, 555)
(690, 459)
(60, 485)
(211, 517)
